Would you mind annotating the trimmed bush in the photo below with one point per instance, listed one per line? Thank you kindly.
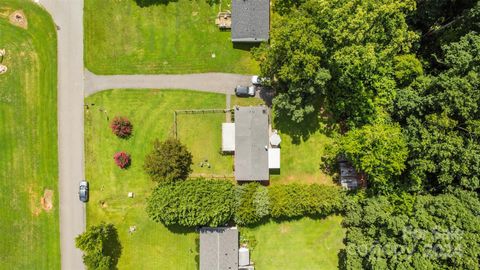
(190, 203)
(251, 203)
(121, 127)
(169, 161)
(122, 159)
(295, 200)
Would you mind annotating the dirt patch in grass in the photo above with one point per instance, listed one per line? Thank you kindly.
(284, 228)
(47, 200)
(33, 196)
(19, 19)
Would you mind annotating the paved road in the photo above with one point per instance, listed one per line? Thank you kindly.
(68, 15)
(209, 82)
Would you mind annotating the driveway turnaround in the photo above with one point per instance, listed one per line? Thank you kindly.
(223, 83)
(68, 16)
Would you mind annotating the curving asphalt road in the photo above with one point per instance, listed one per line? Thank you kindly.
(208, 82)
(68, 16)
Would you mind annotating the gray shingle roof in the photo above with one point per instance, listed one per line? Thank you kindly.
(251, 140)
(219, 248)
(250, 20)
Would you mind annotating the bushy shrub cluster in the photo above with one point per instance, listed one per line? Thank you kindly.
(191, 203)
(251, 203)
(121, 127)
(122, 159)
(203, 202)
(295, 200)
(169, 161)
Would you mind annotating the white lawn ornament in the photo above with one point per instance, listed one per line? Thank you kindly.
(3, 69)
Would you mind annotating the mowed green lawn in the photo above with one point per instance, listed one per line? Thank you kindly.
(300, 161)
(29, 237)
(305, 244)
(179, 37)
(152, 246)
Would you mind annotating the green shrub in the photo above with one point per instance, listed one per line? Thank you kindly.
(190, 203)
(295, 200)
(169, 161)
(101, 247)
(251, 203)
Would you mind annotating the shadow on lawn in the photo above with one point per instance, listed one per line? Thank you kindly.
(112, 246)
(297, 131)
(320, 120)
(148, 3)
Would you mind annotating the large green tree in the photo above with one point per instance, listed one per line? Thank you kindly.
(440, 116)
(340, 53)
(169, 161)
(414, 232)
(101, 247)
(379, 150)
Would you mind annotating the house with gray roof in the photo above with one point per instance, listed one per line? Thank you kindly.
(219, 248)
(250, 20)
(251, 143)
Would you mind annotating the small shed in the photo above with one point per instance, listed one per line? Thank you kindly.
(243, 256)
(228, 137)
(274, 158)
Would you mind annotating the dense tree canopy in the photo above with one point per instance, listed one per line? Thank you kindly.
(101, 247)
(340, 53)
(170, 160)
(378, 150)
(408, 232)
(441, 118)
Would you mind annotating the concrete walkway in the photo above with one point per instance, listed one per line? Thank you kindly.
(208, 82)
(68, 16)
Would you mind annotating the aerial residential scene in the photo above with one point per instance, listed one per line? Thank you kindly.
(239, 134)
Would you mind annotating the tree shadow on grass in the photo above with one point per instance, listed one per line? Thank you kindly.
(148, 3)
(177, 229)
(297, 131)
(245, 46)
(112, 246)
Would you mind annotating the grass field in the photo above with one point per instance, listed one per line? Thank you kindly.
(304, 244)
(300, 161)
(29, 237)
(151, 113)
(122, 37)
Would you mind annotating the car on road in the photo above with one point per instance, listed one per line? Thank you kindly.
(83, 191)
(245, 91)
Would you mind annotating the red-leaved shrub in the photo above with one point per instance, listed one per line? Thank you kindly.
(121, 127)
(122, 159)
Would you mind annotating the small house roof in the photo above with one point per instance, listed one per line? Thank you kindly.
(250, 20)
(219, 248)
(251, 143)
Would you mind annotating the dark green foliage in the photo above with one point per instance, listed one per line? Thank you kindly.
(440, 116)
(252, 203)
(282, 7)
(339, 53)
(212, 202)
(192, 203)
(414, 232)
(101, 247)
(169, 161)
(379, 150)
(295, 200)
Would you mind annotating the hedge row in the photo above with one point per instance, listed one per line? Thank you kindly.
(192, 203)
(215, 202)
